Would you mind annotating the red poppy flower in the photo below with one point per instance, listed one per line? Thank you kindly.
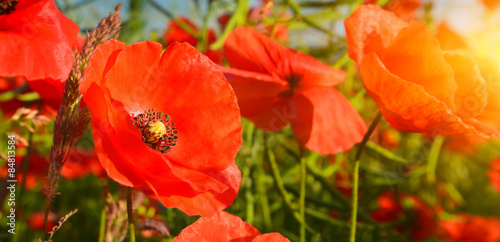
(418, 87)
(466, 227)
(276, 86)
(35, 221)
(167, 124)
(39, 45)
(449, 39)
(224, 227)
(177, 33)
(494, 174)
(393, 207)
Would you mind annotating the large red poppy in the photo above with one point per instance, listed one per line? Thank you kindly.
(224, 227)
(276, 86)
(176, 33)
(418, 87)
(38, 43)
(167, 124)
(466, 227)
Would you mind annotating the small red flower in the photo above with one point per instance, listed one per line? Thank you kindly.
(167, 124)
(393, 207)
(38, 44)
(418, 87)
(176, 33)
(80, 163)
(35, 221)
(224, 227)
(277, 86)
(494, 174)
(38, 167)
(468, 228)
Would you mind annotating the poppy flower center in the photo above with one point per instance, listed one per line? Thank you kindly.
(293, 81)
(157, 130)
(6, 7)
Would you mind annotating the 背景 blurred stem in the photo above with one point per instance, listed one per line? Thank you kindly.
(202, 44)
(433, 158)
(130, 213)
(302, 200)
(237, 19)
(359, 152)
(279, 183)
(169, 15)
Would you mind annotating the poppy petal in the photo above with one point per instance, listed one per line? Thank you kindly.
(428, 69)
(370, 28)
(415, 110)
(38, 41)
(326, 122)
(256, 92)
(270, 237)
(208, 202)
(222, 227)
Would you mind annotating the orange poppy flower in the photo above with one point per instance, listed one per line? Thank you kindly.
(404, 9)
(467, 227)
(276, 86)
(35, 221)
(167, 124)
(176, 33)
(38, 44)
(491, 4)
(224, 227)
(81, 163)
(417, 86)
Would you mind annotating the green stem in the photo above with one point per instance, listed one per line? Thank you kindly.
(433, 158)
(281, 187)
(302, 200)
(130, 213)
(169, 15)
(202, 45)
(359, 152)
(239, 17)
(102, 227)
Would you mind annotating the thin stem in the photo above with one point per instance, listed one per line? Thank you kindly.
(102, 227)
(302, 200)
(359, 152)
(281, 187)
(130, 213)
(433, 159)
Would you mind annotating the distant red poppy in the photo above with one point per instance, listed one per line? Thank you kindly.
(167, 124)
(389, 138)
(35, 221)
(276, 86)
(38, 44)
(38, 167)
(468, 228)
(177, 33)
(224, 227)
(494, 174)
(81, 163)
(443, 93)
(393, 207)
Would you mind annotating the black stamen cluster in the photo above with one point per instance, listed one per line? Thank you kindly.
(164, 143)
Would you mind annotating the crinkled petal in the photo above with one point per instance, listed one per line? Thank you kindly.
(407, 106)
(371, 28)
(208, 202)
(415, 56)
(326, 122)
(270, 237)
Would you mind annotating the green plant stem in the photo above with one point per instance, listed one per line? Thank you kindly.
(433, 158)
(130, 213)
(281, 187)
(169, 15)
(302, 200)
(359, 152)
(202, 45)
(237, 19)
(102, 226)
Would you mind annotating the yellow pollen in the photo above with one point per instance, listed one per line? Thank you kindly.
(154, 131)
